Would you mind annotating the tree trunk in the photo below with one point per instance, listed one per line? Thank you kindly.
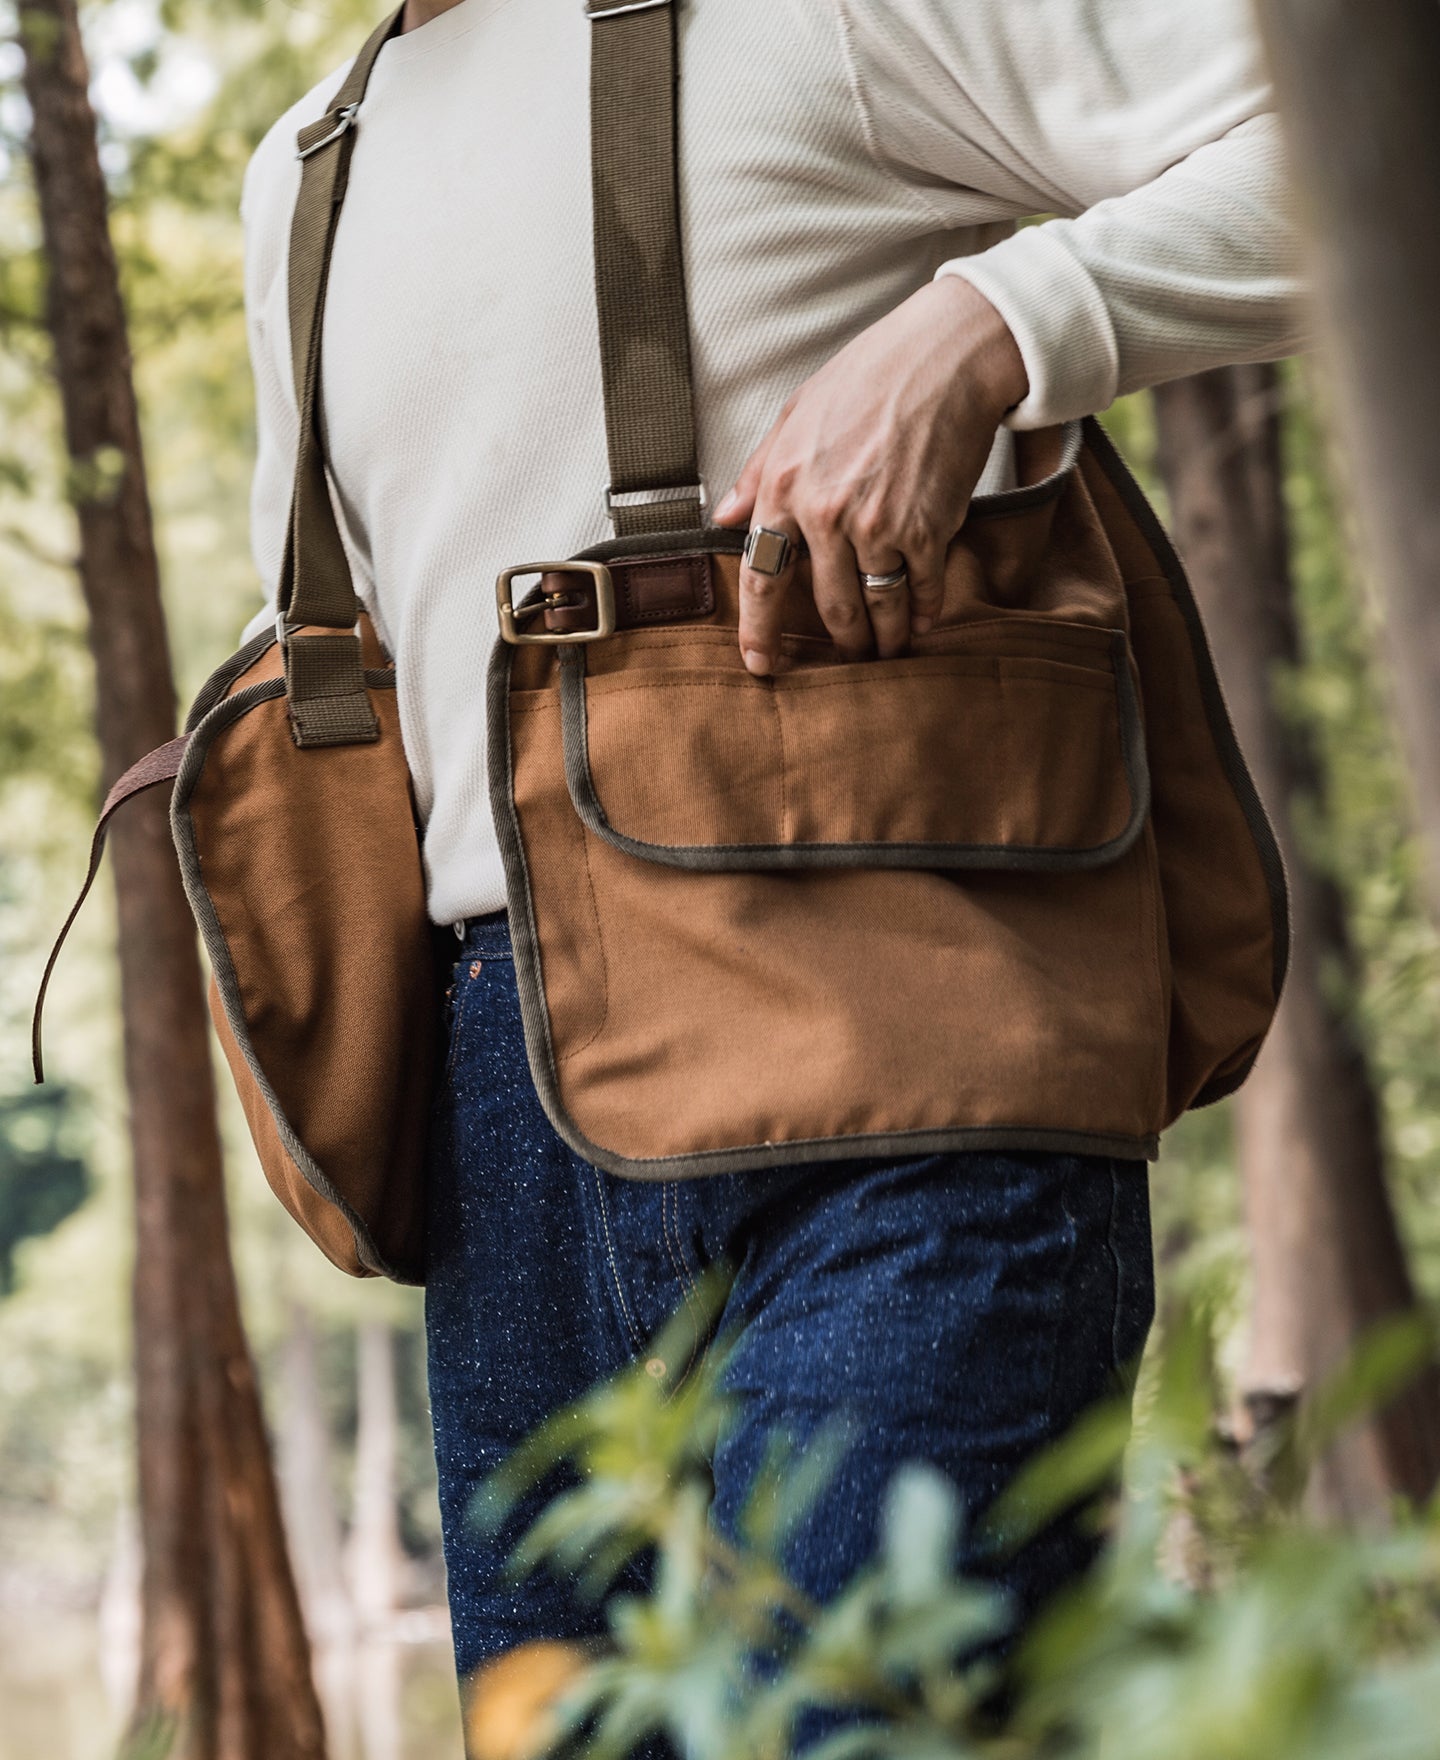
(376, 1556)
(1359, 90)
(1328, 1261)
(223, 1655)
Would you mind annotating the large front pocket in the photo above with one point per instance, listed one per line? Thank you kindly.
(1022, 748)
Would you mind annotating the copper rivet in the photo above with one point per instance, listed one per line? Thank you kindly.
(655, 1367)
(476, 969)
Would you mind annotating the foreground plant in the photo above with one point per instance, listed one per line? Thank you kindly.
(1219, 1625)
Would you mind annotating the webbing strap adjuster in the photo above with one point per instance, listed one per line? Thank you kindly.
(595, 12)
(344, 118)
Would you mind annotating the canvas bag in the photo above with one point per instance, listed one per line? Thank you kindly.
(1015, 890)
(295, 826)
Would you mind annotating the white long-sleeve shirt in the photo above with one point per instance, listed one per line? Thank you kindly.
(834, 155)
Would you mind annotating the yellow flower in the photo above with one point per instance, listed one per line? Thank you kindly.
(509, 1713)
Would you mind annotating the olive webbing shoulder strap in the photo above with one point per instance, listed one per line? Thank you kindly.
(324, 676)
(639, 269)
(643, 330)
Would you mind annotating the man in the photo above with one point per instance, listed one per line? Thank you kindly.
(867, 328)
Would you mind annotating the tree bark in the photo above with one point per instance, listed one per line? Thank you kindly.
(1359, 90)
(223, 1661)
(1327, 1257)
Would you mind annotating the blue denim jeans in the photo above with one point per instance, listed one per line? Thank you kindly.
(959, 1309)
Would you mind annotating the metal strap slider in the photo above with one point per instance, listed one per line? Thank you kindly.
(597, 12)
(344, 118)
(656, 497)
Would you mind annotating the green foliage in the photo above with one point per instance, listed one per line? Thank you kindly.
(1365, 840)
(1368, 841)
(157, 1738)
(43, 672)
(42, 1178)
(1219, 1625)
(96, 480)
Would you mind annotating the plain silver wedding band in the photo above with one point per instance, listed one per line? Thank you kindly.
(884, 583)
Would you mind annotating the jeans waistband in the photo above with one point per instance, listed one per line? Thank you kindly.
(487, 936)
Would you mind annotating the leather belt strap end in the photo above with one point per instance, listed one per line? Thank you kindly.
(161, 765)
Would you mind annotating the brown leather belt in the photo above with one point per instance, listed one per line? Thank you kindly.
(663, 589)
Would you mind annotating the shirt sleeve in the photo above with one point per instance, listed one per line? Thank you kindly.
(1143, 127)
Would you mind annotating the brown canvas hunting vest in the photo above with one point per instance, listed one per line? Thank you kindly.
(1014, 890)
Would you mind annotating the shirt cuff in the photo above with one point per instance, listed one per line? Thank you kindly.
(1058, 318)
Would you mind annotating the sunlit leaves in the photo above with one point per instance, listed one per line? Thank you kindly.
(1272, 1641)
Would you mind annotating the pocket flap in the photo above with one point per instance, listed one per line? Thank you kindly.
(996, 757)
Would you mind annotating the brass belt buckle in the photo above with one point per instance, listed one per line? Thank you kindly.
(510, 630)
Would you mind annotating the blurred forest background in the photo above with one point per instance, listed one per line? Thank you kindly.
(183, 92)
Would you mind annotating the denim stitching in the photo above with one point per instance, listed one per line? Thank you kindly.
(1124, 1275)
(1110, 1248)
(636, 1340)
(692, 1272)
(687, 1292)
(683, 1267)
(1074, 1246)
(460, 991)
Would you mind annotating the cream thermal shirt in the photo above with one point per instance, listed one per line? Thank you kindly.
(834, 155)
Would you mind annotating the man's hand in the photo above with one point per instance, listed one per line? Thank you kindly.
(873, 463)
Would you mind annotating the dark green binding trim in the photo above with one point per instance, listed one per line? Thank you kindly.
(1221, 729)
(218, 684)
(657, 546)
(742, 857)
(1007, 501)
(224, 675)
(754, 1157)
(214, 711)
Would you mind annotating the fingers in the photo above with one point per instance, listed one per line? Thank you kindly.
(835, 583)
(888, 607)
(738, 507)
(845, 541)
(927, 585)
(863, 621)
(762, 598)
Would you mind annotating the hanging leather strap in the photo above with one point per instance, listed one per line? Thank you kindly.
(161, 765)
(639, 269)
(324, 676)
